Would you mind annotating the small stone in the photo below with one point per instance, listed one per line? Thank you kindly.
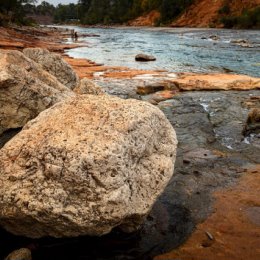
(214, 37)
(186, 161)
(144, 57)
(20, 254)
(209, 235)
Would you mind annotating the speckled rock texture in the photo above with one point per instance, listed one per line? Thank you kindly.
(25, 90)
(84, 166)
(54, 64)
(87, 86)
(20, 254)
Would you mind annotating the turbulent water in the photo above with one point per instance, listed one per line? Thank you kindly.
(176, 50)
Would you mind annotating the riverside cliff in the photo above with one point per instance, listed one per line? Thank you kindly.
(208, 13)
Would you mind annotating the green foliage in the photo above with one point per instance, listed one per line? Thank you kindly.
(14, 10)
(225, 9)
(4, 19)
(120, 11)
(229, 21)
(170, 9)
(45, 9)
(66, 13)
(248, 19)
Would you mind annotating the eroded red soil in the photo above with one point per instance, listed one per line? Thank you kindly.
(233, 230)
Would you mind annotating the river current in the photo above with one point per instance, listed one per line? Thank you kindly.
(176, 49)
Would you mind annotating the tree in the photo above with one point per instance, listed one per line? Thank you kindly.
(45, 8)
(15, 9)
(66, 13)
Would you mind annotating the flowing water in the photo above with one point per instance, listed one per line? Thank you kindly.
(176, 50)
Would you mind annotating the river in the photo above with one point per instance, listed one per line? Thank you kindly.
(176, 49)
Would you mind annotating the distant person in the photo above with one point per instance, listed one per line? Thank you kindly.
(76, 36)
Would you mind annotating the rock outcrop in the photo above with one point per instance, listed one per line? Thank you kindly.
(208, 13)
(85, 166)
(87, 86)
(190, 81)
(253, 122)
(151, 88)
(25, 90)
(144, 57)
(54, 64)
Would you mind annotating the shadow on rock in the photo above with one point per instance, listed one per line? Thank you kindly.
(167, 227)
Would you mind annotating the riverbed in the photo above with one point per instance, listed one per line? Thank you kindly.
(175, 49)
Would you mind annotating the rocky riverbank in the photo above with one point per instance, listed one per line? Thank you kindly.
(214, 155)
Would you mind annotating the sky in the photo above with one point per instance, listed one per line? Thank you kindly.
(56, 2)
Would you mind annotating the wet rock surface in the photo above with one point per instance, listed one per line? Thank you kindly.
(212, 154)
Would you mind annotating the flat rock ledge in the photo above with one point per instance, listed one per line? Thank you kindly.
(84, 166)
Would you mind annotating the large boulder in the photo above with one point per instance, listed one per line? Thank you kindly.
(85, 166)
(25, 90)
(87, 86)
(55, 65)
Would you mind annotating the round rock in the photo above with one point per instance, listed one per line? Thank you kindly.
(144, 57)
(84, 166)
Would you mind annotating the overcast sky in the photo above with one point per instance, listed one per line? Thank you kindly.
(56, 2)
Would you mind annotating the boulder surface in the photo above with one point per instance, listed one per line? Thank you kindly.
(25, 90)
(54, 64)
(84, 166)
(87, 86)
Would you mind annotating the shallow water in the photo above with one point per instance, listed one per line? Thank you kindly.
(176, 50)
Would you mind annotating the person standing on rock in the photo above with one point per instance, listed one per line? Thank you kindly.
(76, 36)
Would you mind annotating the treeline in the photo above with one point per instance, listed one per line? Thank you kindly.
(13, 11)
(121, 11)
(117, 12)
(248, 19)
(19, 11)
(94, 11)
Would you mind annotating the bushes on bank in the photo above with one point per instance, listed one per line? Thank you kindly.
(248, 19)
